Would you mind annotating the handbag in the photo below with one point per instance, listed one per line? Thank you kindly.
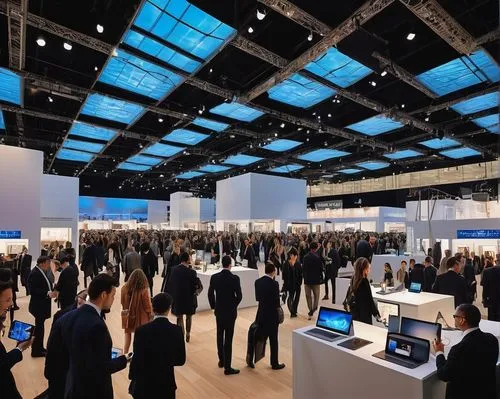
(349, 301)
(281, 315)
(125, 315)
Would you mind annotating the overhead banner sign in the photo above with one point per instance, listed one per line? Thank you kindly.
(11, 234)
(481, 234)
(332, 204)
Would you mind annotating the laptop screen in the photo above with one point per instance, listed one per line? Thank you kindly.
(386, 308)
(409, 348)
(415, 287)
(420, 329)
(334, 320)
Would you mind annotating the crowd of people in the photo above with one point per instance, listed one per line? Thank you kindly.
(79, 336)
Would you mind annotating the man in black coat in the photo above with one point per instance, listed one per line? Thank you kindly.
(89, 264)
(452, 283)
(158, 347)
(430, 274)
(67, 284)
(292, 281)
(224, 295)
(312, 268)
(472, 359)
(249, 254)
(417, 274)
(24, 267)
(149, 264)
(40, 305)
(267, 293)
(88, 344)
(366, 249)
(491, 292)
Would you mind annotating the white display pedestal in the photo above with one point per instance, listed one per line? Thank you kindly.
(247, 281)
(377, 265)
(347, 271)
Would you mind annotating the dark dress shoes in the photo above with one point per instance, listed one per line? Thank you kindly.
(251, 365)
(221, 364)
(278, 366)
(231, 371)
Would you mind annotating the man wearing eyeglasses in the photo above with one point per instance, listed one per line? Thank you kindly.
(471, 365)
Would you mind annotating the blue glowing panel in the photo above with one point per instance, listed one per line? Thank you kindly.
(75, 156)
(214, 168)
(189, 175)
(489, 122)
(241, 160)
(338, 68)
(373, 165)
(99, 208)
(2, 122)
(139, 76)
(322, 154)
(184, 25)
(133, 167)
(83, 146)
(160, 51)
(282, 145)
(300, 91)
(112, 109)
(403, 154)
(237, 111)
(477, 104)
(375, 125)
(439, 144)
(286, 168)
(458, 153)
(210, 125)
(184, 136)
(92, 132)
(143, 160)
(350, 171)
(10, 87)
(460, 73)
(163, 150)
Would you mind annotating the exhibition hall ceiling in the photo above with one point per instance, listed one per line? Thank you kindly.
(138, 96)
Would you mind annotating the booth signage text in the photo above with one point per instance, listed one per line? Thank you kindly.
(10, 234)
(478, 234)
(332, 204)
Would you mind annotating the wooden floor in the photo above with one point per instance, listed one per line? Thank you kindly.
(199, 377)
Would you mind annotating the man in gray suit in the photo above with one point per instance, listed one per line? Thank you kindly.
(131, 262)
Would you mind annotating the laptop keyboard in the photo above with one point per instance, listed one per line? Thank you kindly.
(319, 333)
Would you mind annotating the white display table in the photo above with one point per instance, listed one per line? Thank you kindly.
(247, 281)
(347, 271)
(377, 264)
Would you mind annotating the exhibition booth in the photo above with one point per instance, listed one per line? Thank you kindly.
(189, 212)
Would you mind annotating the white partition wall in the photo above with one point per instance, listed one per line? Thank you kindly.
(189, 211)
(158, 211)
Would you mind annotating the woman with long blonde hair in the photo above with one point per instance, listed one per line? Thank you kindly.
(136, 305)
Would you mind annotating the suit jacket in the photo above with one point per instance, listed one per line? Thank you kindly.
(224, 294)
(292, 276)
(249, 254)
(364, 250)
(67, 286)
(25, 268)
(430, 274)
(312, 268)
(332, 267)
(182, 287)
(267, 293)
(89, 345)
(131, 261)
(417, 274)
(451, 283)
(158, 347)
(40, 305)
(491, 286)
(7, 361)
(473, 359)
(365, 306)
(149, 264)
(89, 260)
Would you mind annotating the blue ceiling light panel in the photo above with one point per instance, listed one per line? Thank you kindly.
(162, 150)
(286, 168)
(440, 144)
(112, 109)
(210, 125)
(375, 125)
(184, 136)
(322, 155)
(241, 160)
(66, 154)
(460, 73)
(350, 171)
(185, 26)
(83, 146)
(189, 175)
(10, 87)
(300, 91)
(161, 52)
(458, 153)
(133, 167)
(83, 129)
(143, 160)
(373, 165)
(282, 145)
(139, 76)
(237, 111)
(403, 154)
(477, 104)
(210, 168)
(2, 122)
(338, 68)
(490, 123)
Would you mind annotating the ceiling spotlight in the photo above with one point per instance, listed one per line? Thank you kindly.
(373, 83)
(402, 105)
(250, 29)
(51, 100)
(96, 69)
(329, 115)
(337, 101)
(211, 70)
(310, 37)
(200, 111)
(232, 136)
(162, 175)
(282, 125)
(275, 134)
(41, 42)
(383, 73)
(99, 28)
(427, 119)
(261, 14)
(314, 113)
(410, 36)
(67, 46)
(160, 120)
(307, 139)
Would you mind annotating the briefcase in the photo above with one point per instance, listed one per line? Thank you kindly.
(256, 346)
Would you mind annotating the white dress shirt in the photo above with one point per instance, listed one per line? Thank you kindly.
(468, 331)
(97, 308)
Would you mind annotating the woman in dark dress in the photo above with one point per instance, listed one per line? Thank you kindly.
(364, 307)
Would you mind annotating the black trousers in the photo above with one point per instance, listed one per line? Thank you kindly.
(494, 312)
(39, 334)
(225, 332)
(271, 332)
(293, 300)
(333, 287)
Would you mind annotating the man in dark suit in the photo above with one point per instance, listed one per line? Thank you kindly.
(312, 269)
(491, 292)
(158, 347)
(417, 274)
(472, 359)
(149, 264)
(366, 249)
(40, 305)
(88, 344)
(24, 267)
(224, 295)
(430, 274)
(67, 284)
(249, 254)
(89, 262)
(451, 283)
(267, 293)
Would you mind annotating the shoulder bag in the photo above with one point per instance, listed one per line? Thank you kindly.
(349, 301)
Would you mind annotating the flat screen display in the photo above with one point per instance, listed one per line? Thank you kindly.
(420, 329)
(386, 308)
(334, 320)
(20, 331)
(407, 347)
(415, 287)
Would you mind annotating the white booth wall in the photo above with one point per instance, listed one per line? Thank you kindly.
(158, 211)
(188, 210)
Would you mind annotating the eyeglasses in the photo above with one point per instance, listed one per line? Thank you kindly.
(458, 316)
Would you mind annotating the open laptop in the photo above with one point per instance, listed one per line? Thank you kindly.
(331, 324)
(399, 288)
(409, 352)
(421, 329)
(415, 288)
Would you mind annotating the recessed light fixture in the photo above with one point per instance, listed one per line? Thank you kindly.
(329, 115)
(402, 105)
(99, 28)
(96, 69)
(67, 46)
(261, 14)
(275, 134)
(383, 73)
(427, 119)
(160, 120)
(232, 136)
(310, 37)
(250, 29)
(51, 100)
(200, 111)
(410, 36)
(211, 70)
(282, 125)
(41, 42)
(373, 83)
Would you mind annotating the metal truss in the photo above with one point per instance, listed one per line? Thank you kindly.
(298, 15)
(16, 11)
(258, 51)
(488, 37)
